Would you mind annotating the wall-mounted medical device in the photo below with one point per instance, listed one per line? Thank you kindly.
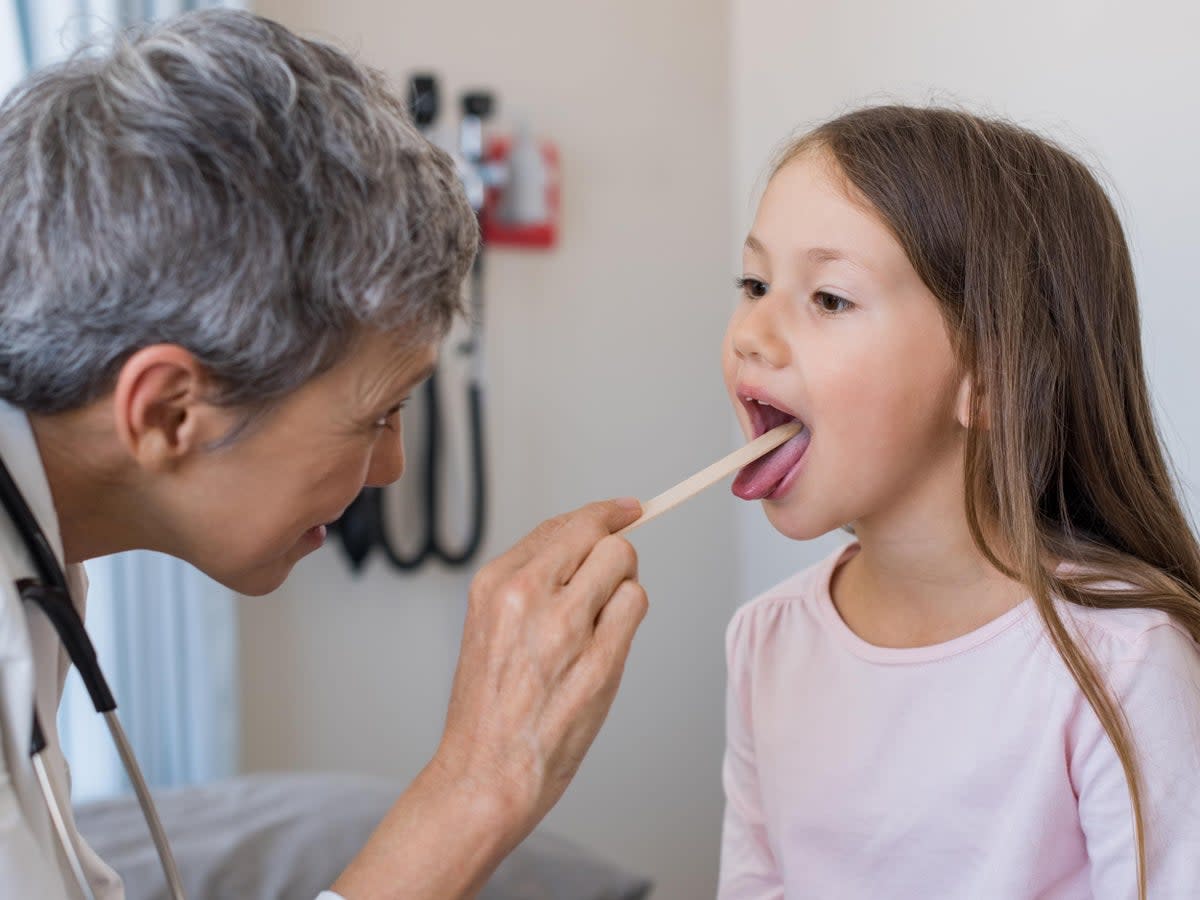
(512, 183)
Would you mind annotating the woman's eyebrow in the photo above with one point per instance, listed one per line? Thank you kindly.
(415, 381)
(421, 376)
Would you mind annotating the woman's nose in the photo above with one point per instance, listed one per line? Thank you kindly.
(760, 333)
(387, 459)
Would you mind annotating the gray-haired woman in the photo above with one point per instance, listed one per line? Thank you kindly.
(226, 258)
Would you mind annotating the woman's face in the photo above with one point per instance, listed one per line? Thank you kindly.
(837, 330)
(247, 513)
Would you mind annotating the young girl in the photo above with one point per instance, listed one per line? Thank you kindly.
(994, 692)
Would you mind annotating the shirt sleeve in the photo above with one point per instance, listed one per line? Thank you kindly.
(329, 895)
(748, 868)
(1159, 691)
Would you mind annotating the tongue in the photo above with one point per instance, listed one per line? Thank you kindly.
(759, 478)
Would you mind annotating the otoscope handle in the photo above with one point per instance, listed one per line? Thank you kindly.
(423, 99)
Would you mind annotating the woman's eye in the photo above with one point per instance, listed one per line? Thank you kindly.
(831, 303)
(385, 421)
(752, 288)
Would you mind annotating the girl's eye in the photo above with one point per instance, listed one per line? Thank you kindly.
(831, 303)
(751, 288)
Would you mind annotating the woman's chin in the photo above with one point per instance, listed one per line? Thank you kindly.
(257, 580)
(260, 585)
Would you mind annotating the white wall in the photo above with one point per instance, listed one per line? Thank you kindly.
(1118, 80)
(604, 380)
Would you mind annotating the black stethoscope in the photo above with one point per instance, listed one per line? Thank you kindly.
(364, 524)
(49, 593)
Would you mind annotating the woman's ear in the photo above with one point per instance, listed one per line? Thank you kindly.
(161, 414)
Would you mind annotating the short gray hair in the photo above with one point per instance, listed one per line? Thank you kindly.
(219, 183)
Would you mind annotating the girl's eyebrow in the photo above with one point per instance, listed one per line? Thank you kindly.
(821, 255)
(816, 255)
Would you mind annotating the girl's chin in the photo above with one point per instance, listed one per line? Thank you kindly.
(797, 528)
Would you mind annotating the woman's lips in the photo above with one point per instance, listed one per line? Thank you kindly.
(316, 535)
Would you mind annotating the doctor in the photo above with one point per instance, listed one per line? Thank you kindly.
(226, 259)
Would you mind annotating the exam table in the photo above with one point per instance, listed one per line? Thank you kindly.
(287, 836)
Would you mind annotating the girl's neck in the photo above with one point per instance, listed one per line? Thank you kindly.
(918, 578)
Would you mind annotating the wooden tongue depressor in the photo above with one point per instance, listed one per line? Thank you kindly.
(685, 490)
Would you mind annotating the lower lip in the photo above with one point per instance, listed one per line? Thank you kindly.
(315, 536)
(789, 479)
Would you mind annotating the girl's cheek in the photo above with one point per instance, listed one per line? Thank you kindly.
(729, 364)
(855, 398)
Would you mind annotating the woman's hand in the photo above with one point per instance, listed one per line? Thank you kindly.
(544, 645)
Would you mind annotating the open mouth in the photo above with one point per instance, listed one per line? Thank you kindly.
(770, 476)
(318, 533)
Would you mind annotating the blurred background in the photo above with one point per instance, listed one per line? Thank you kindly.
(601, 377)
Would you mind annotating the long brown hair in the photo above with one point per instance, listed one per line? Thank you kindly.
(1025, 252)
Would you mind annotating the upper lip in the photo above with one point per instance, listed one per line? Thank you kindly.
(748, 392)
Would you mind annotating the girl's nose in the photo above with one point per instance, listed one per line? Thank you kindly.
(759, 334)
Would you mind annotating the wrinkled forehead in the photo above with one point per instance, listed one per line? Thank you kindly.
(381, 367)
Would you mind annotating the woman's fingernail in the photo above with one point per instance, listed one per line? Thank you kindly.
(629, 502)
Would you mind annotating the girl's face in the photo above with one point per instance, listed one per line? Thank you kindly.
(836, 329)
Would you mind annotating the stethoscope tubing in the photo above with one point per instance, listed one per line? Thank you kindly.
(149, 810)
(432, 545)
(53, 598)
(60, 826)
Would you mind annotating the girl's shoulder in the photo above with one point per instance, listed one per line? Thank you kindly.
(1130, 634)
(802, 595)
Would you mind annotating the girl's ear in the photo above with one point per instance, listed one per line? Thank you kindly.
(962, 404)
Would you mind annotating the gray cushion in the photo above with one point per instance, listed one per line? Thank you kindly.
(286, 837)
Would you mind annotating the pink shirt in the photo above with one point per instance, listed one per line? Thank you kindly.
(973, 769)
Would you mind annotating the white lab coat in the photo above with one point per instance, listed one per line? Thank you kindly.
(32, 865)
